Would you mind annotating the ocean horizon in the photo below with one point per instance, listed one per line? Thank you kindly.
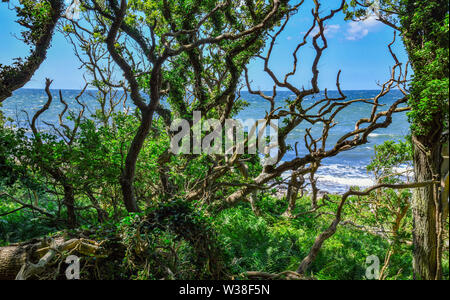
(335, 175)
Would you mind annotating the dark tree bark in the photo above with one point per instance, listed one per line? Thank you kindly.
(427, 210)
(294, 187)
(69, 202)
(129, 171)
(11, 260)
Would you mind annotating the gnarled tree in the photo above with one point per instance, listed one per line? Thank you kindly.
(424, 28)
(39, 18)
(181, 45)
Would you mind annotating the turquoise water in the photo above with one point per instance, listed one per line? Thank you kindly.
(337, 173)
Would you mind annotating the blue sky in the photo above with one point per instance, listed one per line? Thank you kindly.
(358, 49)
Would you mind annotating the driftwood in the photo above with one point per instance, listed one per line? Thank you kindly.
(30, 260)
(13, 257)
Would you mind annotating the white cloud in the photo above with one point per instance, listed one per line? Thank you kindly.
(358, 30)
(330, 30)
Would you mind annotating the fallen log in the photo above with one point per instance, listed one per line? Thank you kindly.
(30, 260)
(13, 257)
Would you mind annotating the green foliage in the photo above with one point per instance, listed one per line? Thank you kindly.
(176, 239)
(2, 117)
(23, 224)
(175, 236)
(388, 211)
(273, 244)
(186, 73)
(427, 40)
(388, 158)
(359, 10)
(33, 15)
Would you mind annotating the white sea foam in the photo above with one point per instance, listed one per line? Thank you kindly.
(338, 178)
(404, 169)
(346, 181)
(375, 135)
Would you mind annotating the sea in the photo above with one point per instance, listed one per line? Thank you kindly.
(336, 174)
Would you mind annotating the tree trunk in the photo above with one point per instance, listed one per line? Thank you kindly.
(69, 202)
(427, 213)
(102, 215)
(445, 178)
(31, 259)
(11, 260)
(253, 199)
(13, 257)
(292, 194)
(129, 172)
